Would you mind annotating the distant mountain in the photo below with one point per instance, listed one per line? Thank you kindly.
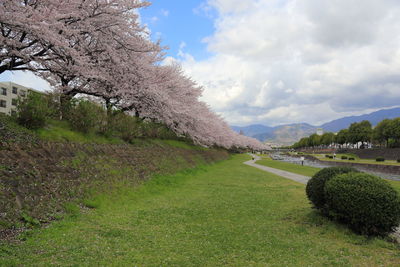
(265, 136)
(290, 133)
(374, 118)
(283, 134)
(252, 130)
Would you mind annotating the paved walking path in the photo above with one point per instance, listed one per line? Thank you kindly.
(290, 175)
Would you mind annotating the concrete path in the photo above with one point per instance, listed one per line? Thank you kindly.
(290, 175)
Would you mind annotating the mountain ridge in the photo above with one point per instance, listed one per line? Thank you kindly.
(287, 134)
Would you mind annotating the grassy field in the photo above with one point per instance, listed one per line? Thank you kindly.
(286, 166)
(227, 214)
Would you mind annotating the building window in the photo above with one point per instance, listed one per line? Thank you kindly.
(3, 104)
(15, 90)
(14, 101)
(3, 91)
(22, 93)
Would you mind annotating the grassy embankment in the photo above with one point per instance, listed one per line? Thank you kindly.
(227, 214)
(46, 172)
(303, 170)
(356, 159)
(60, 131)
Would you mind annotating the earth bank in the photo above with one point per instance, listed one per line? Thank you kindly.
(40, 182)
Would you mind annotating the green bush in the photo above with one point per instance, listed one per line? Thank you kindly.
(327, 156)
(157, 130)
(87, 117)
(124, 126)
(398, 160)
(331, 157)
(343, 157)
(380, 159)
(315, 186)
(368, 204)
(33, 111)
(351, 158)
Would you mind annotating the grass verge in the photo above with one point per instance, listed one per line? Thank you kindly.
(356, 159)
(227, 214)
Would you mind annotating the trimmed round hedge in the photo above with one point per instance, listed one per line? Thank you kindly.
(315, 186)
(366, 203)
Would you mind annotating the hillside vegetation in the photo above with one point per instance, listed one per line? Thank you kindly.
(52, 170)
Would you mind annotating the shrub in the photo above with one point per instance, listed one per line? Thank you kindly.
(351, 158)
(327, 156)
(87, 117)
(315, 186)
(380, 159)
(343, 157)
(157, 130)
(331, 157)
(128, 128)
(398, 160)
(124, 126)
(368, 204)
(33, 111)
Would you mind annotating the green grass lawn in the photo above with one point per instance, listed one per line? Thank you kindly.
(286, 166)
(227, 214)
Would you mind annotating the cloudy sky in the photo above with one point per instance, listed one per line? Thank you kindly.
(282, 61)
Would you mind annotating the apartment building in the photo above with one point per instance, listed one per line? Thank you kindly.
(9, 93)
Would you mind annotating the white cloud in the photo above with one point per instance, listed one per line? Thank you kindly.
(154, 19)
(165, 12)
(280, 61)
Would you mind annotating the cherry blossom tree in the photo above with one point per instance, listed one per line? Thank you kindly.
(99, 48)
(24, 38)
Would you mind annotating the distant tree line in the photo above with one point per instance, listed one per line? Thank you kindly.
(359, 135)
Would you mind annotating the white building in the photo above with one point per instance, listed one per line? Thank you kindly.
(9, 93)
